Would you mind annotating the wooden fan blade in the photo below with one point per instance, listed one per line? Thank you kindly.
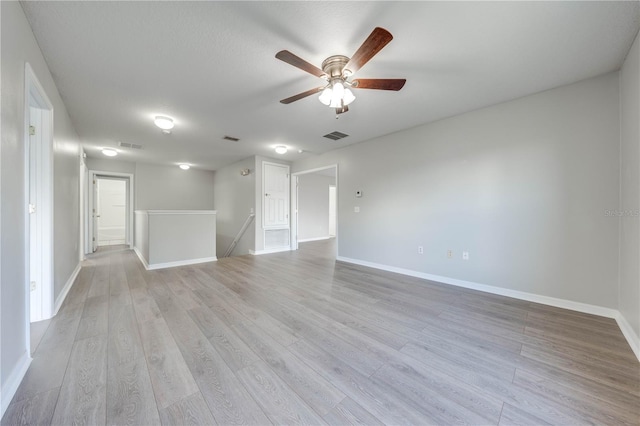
(379, 83)
(291, 59)
(378, 39)
(301, 95)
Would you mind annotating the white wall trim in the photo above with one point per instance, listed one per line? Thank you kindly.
(152, 212)
(269, 251)
(293, 236)
(306, 240)
(629, 334)
(586, 308)
(66, 289)
(154, 266)
(10, 386)
(141, 257)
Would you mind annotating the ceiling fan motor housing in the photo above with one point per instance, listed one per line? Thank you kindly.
(334, 65)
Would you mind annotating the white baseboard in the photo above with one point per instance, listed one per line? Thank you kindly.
(141, 257)
(65, 289)
(10, 386)
(586, 308)
(306, 240)
(154, 266)
(629, 334)
(268, 251)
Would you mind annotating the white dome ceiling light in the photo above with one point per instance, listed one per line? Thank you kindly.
(109, 152)
(164, 123)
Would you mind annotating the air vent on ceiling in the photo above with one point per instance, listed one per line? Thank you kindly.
(335, 135)
(129, 145)
(231, 138)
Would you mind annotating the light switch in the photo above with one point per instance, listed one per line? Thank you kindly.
(358, 194)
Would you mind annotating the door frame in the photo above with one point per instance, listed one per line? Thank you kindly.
(294, 202)
(36, 97)
(129, 179)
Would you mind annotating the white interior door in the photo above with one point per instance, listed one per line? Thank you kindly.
(275, 203)
(112, 198)
(35, 224)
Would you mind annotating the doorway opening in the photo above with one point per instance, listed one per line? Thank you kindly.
(38, 154)
(315, 206)
(110, 210)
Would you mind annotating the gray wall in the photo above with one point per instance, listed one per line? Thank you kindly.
(522, 186)
(313, 206)
(234, 197)
(163, 187)
(629, 299)
(110, 165)
(171, 188)
(19, 46)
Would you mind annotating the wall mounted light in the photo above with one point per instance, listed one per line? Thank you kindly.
(109, 152)
(245, 172)
(165, 123)
(281, 149)
(185, 166)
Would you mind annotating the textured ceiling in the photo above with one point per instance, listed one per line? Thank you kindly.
(211, 66)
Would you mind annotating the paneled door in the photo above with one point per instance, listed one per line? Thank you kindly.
(275, 201)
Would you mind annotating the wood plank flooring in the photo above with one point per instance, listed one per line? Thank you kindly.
(297, 337)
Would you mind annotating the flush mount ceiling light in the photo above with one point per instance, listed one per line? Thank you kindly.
(185, 166)
(109, 152)
(165, 123)
(281, 149)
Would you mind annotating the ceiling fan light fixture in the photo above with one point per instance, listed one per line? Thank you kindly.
(348, 97)
(325, 96)
(281, 149)
(337, 94)
(165, 123)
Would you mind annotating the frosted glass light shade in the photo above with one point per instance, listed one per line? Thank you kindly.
(325, 96)
(348, 97)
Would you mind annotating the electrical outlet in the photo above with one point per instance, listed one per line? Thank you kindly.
(356, 209)
(449, 254)
(465, 255)
(420, 250)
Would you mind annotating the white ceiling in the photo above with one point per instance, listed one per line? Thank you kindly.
(211, 66)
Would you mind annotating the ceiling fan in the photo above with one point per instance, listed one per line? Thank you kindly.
(338, 69)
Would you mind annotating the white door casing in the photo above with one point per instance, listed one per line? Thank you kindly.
(332, 211)
(95, 215)
(294, 203)
(91, 205)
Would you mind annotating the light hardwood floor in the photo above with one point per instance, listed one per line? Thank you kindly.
(297, 337)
